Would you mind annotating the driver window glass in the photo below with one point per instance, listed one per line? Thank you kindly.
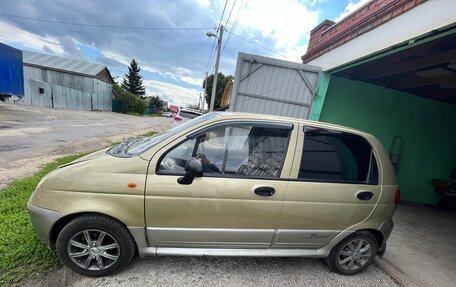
(176, 159)
(239, 150)
(225, 147)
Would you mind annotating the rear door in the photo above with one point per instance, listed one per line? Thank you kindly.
(334, 186)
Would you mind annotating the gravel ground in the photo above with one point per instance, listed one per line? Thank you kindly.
(220, 271)
(31, 136)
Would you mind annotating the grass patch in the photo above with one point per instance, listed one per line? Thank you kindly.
(149, 134)
(22, 254)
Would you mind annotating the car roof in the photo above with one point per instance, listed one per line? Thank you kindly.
(242, 115)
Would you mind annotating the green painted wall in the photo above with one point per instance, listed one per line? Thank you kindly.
(428, 127)
(317, 105)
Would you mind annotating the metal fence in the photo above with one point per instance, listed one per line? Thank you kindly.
(271, 86)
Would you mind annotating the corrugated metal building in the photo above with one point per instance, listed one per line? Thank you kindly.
(58, 82)
(11, 72)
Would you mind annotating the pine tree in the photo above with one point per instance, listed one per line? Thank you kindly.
(133, 81)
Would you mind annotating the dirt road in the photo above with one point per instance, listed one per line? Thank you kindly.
(31, 137)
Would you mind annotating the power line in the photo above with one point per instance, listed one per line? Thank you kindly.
(223, 13)
(236, 20)
(108, 26)
(253, 43)
(229, 15)
(235, 23)
(209, 63)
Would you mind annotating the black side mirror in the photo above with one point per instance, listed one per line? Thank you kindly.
(193, 168)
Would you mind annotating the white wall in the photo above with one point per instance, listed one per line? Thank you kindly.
(430, 15)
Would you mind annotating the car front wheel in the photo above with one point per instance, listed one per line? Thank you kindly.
(353, 254)
(95, 245)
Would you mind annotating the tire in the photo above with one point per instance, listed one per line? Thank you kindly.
(95, 245)
(348, 257)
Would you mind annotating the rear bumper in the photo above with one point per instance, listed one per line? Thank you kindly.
(386, 228)
(42, 221)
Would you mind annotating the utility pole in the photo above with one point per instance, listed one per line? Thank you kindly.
(204, 94)
(217, 61)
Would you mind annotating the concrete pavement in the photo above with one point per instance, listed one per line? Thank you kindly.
(422, 248)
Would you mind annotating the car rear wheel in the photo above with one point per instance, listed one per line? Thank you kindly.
(353, 254)
(95, 245)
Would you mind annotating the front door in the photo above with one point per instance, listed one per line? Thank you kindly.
(237, 202)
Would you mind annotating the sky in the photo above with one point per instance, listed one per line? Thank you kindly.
(167, 38)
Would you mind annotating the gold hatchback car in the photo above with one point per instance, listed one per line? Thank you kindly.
(223, 184)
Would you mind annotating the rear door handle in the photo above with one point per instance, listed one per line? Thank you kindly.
(264, 191)
(364, 195)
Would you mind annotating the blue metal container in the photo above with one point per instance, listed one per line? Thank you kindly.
(11, 71)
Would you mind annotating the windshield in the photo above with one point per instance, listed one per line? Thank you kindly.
(137, 146)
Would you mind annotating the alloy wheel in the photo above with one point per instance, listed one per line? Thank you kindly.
(93, 249)
(355, 254)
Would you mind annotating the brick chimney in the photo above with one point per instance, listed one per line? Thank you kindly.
(315, 34)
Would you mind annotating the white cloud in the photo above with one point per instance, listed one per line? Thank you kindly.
(117, 57)
(188, 76)
(204, 3)
(351, 7)
(12, 34)
(285, 22)
(172, 72)
(295, 53)
(176, 73)
(172, 93)
(314, 3)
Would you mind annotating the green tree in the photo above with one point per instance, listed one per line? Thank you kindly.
(221, 83)
(132, 81)
(129, 103)
(155, 101)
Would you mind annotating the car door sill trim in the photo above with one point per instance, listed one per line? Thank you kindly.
(263, 252)
(138, 234)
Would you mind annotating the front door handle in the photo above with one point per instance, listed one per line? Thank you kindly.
(364, 195)
(264, 191)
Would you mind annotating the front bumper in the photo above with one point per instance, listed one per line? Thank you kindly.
(42, 221)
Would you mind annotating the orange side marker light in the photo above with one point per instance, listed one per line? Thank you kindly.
(131, 185)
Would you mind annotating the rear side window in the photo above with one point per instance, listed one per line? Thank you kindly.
(332, 156)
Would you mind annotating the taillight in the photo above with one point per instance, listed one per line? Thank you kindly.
(397, 197)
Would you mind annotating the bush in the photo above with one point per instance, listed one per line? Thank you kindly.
(129, 103)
